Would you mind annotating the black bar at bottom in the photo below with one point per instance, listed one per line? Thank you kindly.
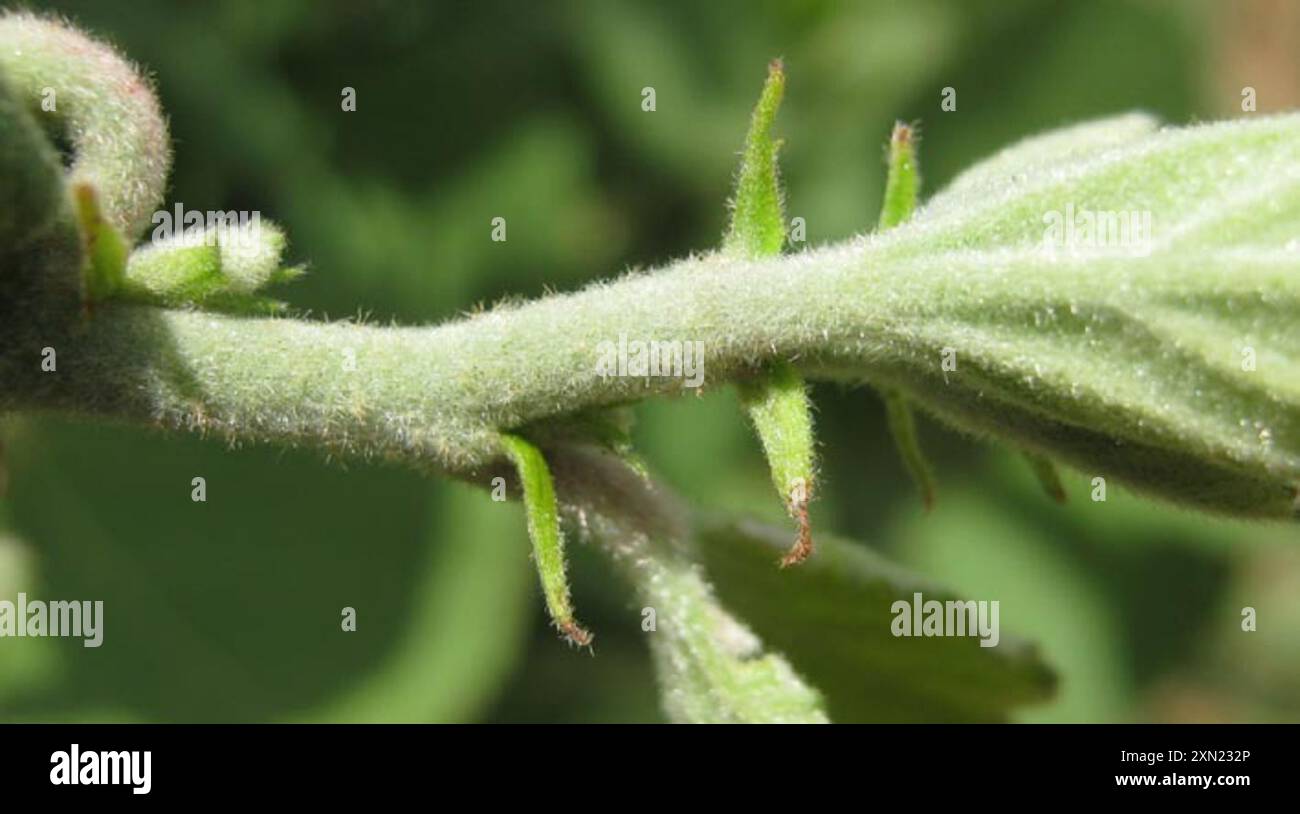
(212, 763)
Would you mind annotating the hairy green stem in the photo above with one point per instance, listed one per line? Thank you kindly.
(441, 394)
(711, 667)
(101, 105)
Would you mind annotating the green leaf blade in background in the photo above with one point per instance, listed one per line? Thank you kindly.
(831, 618)
(230, 609)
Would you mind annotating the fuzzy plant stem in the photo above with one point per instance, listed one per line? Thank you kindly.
(440, 395)
(711, 667)
(103, 107)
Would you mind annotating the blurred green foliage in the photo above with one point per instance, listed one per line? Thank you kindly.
(229, 610)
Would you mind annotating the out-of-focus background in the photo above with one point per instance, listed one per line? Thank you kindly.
(229, 610)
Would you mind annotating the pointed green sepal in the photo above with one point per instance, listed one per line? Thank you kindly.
(903, 181)
(778, 404)
(757, 220)
(544, 531)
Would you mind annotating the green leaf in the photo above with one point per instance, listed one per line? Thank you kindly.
(991, 543)
(1041, 154)
(1162, 353)
(250, 255)
(173, 273)
(544, 531)
(223, 268)
(832, 619)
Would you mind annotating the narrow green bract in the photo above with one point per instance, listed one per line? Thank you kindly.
(544, 531)
(902, 186)
(105, 249)
(757, 217)
(778, 404)
(902, 179)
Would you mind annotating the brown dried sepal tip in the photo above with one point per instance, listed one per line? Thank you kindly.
(903, 133)
(576, 634)
(927, 500)
(798, 508)
(1057, 493)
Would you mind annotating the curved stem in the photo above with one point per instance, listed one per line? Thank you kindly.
(440, 394)
(711, 667)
